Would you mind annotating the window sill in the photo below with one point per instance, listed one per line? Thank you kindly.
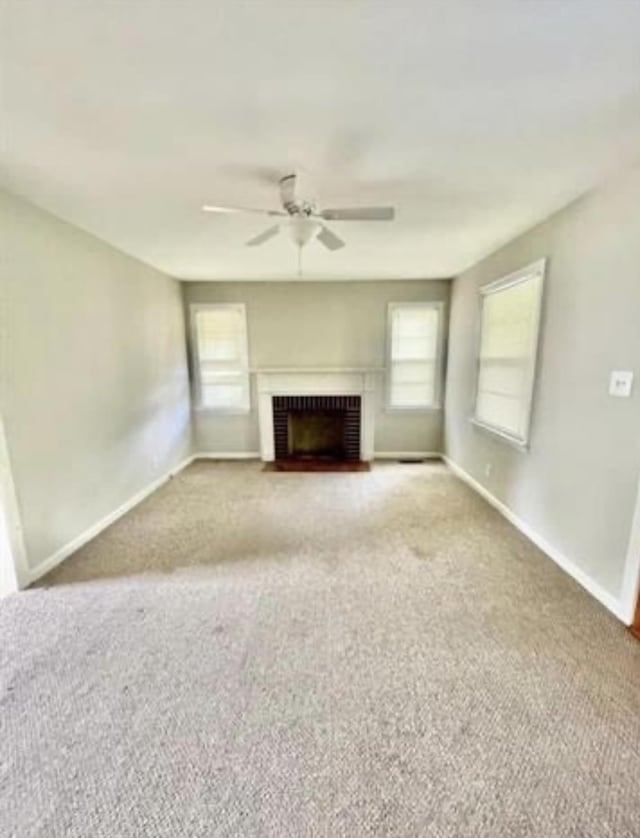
(434, 408)
(217, 411)
(514, 442)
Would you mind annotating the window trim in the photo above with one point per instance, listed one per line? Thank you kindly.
(194, 309)
(539, 268)
(439, 305)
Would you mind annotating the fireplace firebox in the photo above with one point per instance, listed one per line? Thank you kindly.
(317, 428)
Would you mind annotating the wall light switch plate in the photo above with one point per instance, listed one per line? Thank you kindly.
(620, 383)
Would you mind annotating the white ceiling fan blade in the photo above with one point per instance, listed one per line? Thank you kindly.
(329, 239)
(359, 214)
(264, 237)
(288, 189)
(213, 208)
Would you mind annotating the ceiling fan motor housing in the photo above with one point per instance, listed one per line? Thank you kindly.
(291, 199)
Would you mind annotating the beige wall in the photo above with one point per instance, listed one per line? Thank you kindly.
(93, 380)
(318, 324)
(577, 484)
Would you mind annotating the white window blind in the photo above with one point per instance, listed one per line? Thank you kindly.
(510, 322)
(219, 334)
(414, 355)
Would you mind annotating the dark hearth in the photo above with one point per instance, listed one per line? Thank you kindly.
(317, 465)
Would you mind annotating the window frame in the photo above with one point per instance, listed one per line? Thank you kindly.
(194, 310)
(439, 306)
(537, 268)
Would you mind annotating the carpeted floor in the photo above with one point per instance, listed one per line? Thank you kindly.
(373, 654)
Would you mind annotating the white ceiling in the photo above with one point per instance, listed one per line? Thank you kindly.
(475, 119)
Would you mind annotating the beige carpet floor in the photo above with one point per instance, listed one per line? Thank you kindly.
(251, 654)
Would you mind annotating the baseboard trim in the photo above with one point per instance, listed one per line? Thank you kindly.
(407, 455)
(79, 541)
(612, 603)
(618, 608)
(631, 577)
(227, 455)
(378, 455)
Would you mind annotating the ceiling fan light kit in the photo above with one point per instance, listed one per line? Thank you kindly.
(302, 229)
(303, 219)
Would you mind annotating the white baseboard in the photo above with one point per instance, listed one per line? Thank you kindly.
(612, 603)
(378, 455)
(623, 610)
(227, 455)
(79, 541)
(407, 455)
(631, 578)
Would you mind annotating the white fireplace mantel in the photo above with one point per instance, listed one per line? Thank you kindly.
(316, 381)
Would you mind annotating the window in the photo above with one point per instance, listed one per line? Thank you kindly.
(414, 355)
(220, 356)
(510, 321)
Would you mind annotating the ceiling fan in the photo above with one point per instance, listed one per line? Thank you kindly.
(304, 220)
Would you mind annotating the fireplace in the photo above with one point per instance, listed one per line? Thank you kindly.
(284, 390)
(316, 428)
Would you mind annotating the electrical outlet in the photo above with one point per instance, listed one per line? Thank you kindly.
(620, 383)
(488, 469)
